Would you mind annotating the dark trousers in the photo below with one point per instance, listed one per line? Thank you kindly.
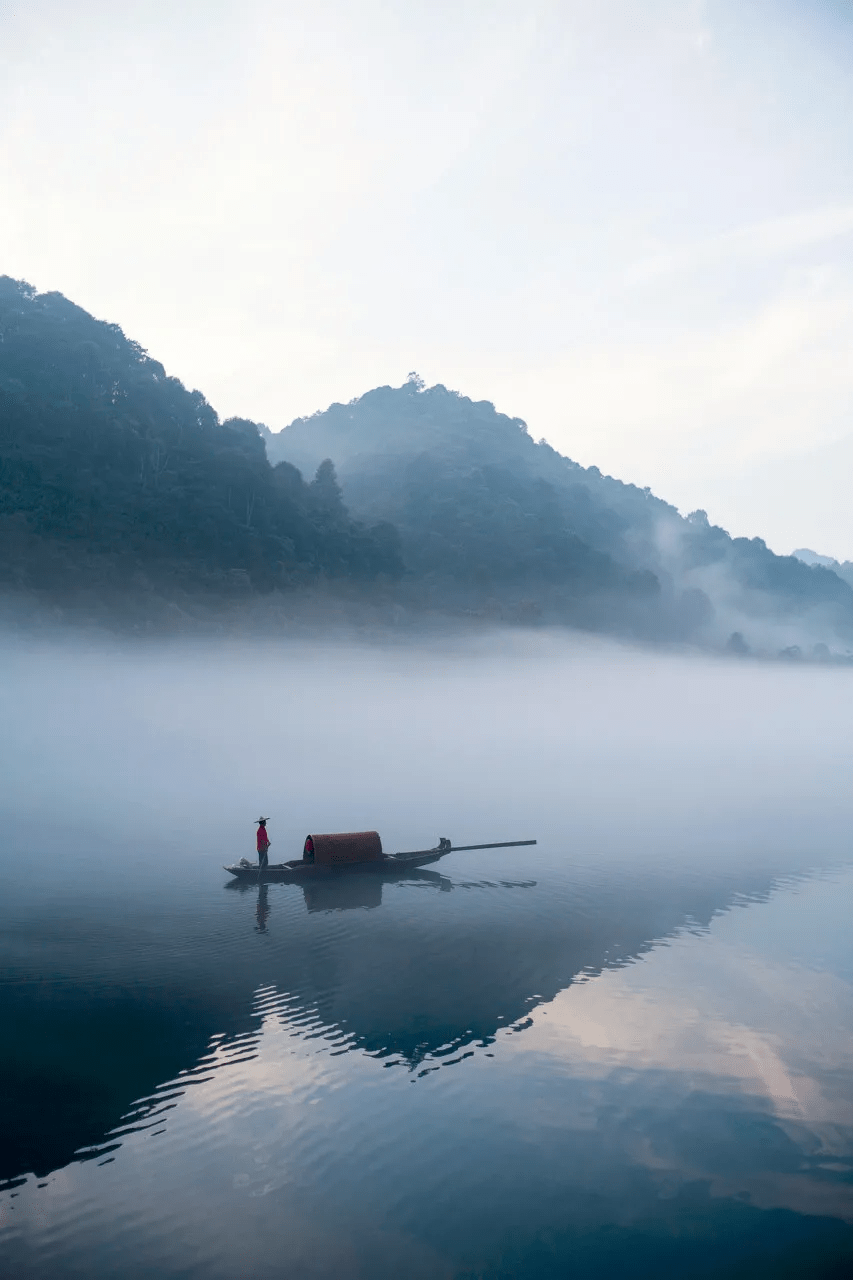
(262, 857)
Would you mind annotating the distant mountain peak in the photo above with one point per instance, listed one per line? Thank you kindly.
(812, 557)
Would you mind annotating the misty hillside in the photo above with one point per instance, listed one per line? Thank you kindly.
(842, 568)
(484, 511)
(113, 474)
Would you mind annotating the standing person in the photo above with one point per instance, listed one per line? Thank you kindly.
(263, 842)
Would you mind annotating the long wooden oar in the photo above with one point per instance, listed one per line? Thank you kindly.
(456, 848)
(504, 844)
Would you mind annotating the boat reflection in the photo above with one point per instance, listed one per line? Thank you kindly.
(348, 892)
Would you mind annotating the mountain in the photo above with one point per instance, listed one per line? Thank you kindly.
(487, 514)
(113, 474)
(842, 568)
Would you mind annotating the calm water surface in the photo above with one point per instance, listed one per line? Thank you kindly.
(626, 1052)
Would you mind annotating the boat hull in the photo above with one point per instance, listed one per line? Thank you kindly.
(296, 871)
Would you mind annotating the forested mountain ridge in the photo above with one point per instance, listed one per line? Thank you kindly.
(479, 503)
(111, 471)
(114, 475)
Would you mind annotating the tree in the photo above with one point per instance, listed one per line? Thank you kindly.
(325, 497)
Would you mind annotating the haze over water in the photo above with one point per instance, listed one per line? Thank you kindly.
(626, 1051)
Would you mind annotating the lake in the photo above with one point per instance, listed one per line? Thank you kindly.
(627, 1051)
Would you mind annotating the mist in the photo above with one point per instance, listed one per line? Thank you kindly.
(172, 746)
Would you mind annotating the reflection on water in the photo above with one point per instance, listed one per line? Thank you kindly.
(634, 1063)
(575, 1074)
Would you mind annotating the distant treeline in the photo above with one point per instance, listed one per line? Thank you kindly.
(114, 475)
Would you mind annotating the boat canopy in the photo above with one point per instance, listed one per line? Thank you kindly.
(347, 847)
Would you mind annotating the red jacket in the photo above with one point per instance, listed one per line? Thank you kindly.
(263, 839)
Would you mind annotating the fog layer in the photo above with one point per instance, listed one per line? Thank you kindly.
(603, 749)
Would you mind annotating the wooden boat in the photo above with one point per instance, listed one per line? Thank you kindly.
(352, 851)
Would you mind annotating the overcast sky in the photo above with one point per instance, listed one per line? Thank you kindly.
(630, 224)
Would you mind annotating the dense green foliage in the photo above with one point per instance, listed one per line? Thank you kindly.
(111, 471)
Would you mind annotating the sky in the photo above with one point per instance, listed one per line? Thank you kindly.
(630, 225)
